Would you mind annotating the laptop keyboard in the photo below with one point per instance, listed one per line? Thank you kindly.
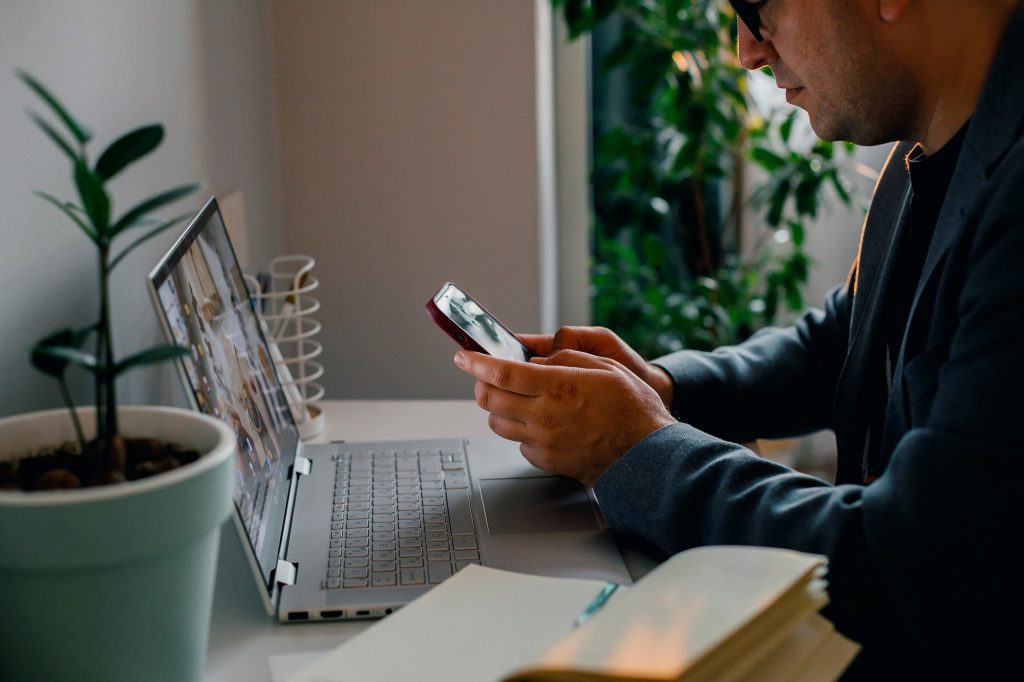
(400, 518)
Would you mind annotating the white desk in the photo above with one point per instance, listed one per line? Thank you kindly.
(243, 638)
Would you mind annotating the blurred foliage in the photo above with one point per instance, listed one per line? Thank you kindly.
(668, 179)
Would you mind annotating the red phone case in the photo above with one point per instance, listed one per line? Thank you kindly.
(455, 331)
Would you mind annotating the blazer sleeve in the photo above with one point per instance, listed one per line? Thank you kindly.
(780, 382)
(932, 549)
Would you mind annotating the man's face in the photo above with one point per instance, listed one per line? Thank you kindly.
(831, 57)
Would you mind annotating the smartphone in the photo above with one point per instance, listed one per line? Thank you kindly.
(472, 326)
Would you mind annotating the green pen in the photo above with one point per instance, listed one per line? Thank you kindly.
(595, 605)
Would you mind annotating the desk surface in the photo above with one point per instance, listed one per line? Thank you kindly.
(244, 640)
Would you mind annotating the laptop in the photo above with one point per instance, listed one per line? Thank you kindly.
(338, 531)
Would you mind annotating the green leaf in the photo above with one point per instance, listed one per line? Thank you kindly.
(148, 235)
(94, 198)
(55, 136)
(149, 357)
(67, 338)
(66, 354)
(786, 129)
(80, 132)
(68, 210)
(130, 218)
(767, 159)
(128, 149)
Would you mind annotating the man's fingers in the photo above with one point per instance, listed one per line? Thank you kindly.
(539, 344)
(510, 375)
(509, 429)
(575, 358)
(502, 403)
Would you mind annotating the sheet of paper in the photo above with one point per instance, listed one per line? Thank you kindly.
(477, 625)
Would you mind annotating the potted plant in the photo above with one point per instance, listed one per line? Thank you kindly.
(109, 516)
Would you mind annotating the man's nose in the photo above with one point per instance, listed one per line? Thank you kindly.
(754, 55)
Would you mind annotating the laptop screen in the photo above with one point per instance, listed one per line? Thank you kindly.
(207, 308)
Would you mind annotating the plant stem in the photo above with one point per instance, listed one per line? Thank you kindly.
(106, 407)
(74, 414)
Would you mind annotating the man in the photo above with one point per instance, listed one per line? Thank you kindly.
(916, 363)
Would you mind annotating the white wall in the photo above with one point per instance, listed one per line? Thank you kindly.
(200, 68)
(408, 158)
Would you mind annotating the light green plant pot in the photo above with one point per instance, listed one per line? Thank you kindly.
(116, 582)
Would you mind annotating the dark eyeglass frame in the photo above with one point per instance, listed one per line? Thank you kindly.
(749, 12)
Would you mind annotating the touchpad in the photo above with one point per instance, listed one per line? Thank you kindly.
(548, 504)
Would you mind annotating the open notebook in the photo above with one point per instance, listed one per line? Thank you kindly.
(715, 613)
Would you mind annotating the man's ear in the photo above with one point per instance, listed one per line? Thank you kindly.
(891, 11)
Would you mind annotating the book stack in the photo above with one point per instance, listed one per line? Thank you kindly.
(713, 613)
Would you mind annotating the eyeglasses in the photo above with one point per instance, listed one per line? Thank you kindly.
(749, 12)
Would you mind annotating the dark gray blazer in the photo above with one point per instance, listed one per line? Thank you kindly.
(925, 551)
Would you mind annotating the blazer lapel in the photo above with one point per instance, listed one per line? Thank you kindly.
(862, 381)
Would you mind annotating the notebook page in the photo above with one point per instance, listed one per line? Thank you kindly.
(478, 625)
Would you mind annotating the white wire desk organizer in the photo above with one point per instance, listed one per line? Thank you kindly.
(286, 306)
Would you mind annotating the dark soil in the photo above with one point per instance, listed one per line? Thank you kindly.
(64, 467)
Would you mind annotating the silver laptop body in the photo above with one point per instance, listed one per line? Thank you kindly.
(356, 530)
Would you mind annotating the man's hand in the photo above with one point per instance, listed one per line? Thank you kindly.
(573, 413)
(606, 344)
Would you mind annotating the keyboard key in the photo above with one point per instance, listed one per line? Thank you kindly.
(467, 555)
(334, 572)
(357, 542)
(334, 561)
(358, 515)
(357, 572)
(434, 508)
(453, 466)
(358, 523)
(383, 546)
(409, 533)
(409, 524)
(439, 570)
(413, 576)
(356, 562)
(408, 506)
(357, 532)
(434, 526)
(384, 579)
(334, 551)
(464, 542)
(433, 535)
(383, 535)
(411, 562)
(357, 552)
(383, 527)
(383, 566)
(459, 514)
(410, 552)
(434, 518)
(333, 583)
(408, 498)
(439, 556)
(438, 546)
(383, 556)
(355, 582)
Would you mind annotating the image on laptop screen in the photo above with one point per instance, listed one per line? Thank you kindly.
(208, 310)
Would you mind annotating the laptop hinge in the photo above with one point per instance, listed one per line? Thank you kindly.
(302, 465)
(285, 573)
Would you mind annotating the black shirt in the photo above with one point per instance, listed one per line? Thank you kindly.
(930, 177)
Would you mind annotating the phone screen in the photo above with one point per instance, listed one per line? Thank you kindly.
(479, 325)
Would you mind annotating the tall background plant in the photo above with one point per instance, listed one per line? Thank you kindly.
(92, 212)
(670, 267)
